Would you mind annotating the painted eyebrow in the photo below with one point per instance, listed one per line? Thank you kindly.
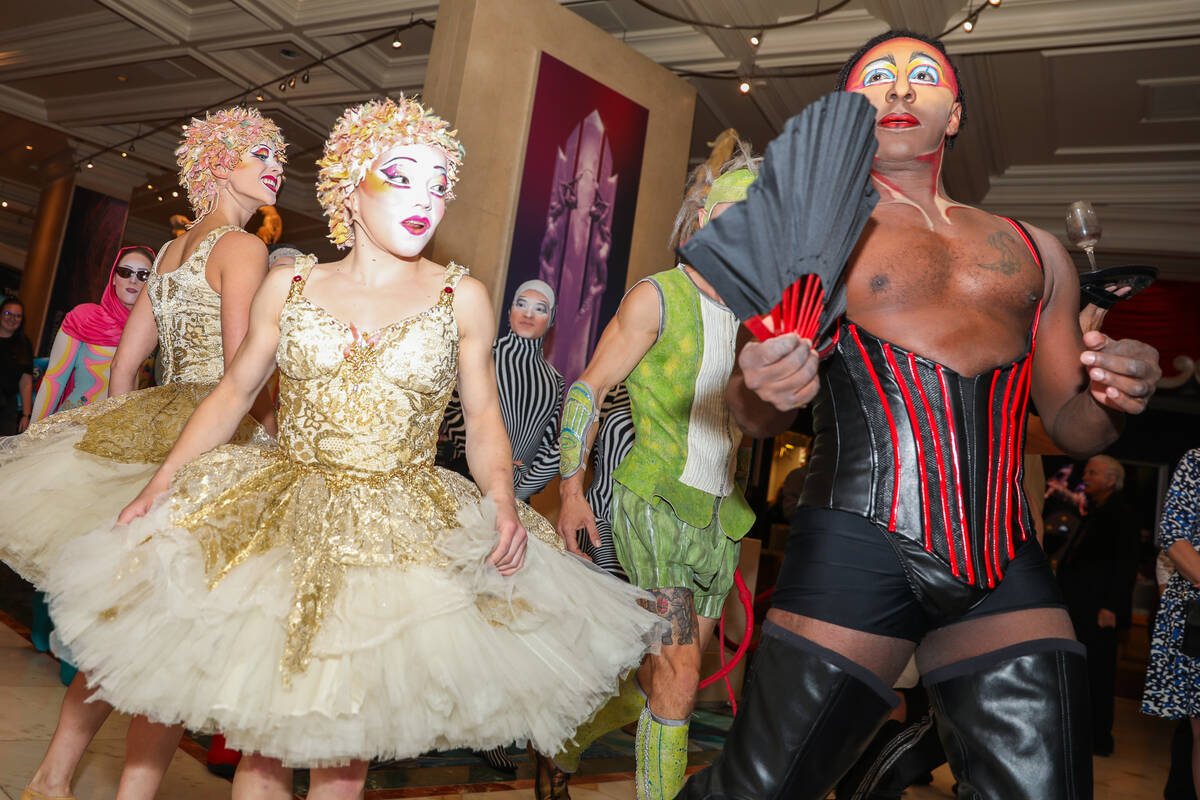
(924, 57)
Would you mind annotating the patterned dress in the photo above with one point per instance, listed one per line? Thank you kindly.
(1173, 679)
(328, 596)
(78, 468)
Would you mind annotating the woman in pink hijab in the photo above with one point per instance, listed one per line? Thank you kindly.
(77, 373)
(84, 347)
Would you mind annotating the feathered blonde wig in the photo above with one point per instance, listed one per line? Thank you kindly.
(360, 136)
(699, 184)
(220, 140)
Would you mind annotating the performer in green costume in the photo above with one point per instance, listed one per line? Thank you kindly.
(677, 515)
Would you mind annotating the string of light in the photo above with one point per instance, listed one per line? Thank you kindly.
(285, 81)
(747, 79)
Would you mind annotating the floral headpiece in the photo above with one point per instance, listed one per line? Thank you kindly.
(220, 139)
(360, 136)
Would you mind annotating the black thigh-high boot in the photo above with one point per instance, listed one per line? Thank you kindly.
(806, 715)
(1015, 722)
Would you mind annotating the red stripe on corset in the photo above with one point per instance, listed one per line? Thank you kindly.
(1002, 471)
(1015, 445)
(916, 428)
(837, 334)
(987, 498)
(891, 426)
(937, 449)
(962, 517)
(1025, 413)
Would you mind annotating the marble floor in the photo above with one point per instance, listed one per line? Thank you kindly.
(30, 695)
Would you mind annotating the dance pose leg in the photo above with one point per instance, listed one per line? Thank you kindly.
(78, 722)
(1011, 701)
(148, 751)
(808, 710)
(338, 783)
(261, 778)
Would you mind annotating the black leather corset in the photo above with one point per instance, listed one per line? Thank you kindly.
(928, 455)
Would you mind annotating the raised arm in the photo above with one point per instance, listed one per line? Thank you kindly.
(624, 343)
(489, 454)
(1083, 383)
(217, 417)
(138, 340)
(57, 375)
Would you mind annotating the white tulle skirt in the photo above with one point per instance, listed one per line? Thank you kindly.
(406, 658)
(77, 469)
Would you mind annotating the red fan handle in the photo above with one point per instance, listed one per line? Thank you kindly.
(798, 311)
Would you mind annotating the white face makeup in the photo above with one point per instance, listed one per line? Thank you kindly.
(259, 175)
(530, 314)
(137, 268)
(402, 199)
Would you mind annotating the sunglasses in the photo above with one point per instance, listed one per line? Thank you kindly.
(125, 272)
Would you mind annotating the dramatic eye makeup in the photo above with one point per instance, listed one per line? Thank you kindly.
(922, 69)
(261, 151)
(537, 308)
(881, 70)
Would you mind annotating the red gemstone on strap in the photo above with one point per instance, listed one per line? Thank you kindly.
(448, 290)
(296, 279)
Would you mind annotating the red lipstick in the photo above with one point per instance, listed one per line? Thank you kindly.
(271, 182)
(899, 121)
(416, 225)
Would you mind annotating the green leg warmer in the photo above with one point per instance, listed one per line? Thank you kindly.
(621, 710)
(661, 757)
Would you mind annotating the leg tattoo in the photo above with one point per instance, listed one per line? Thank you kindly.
(675, 605)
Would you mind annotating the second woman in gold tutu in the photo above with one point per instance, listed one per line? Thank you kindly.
(78, 468)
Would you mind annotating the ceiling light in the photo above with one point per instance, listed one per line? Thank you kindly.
(756, 39)
(175, 194)
(122, 78)
(3, 204)
(968, 25)
(28, 147)
(124, 154)
(160, 198)
(993, 2)
(282, 86)
(292, 82)
(90, 165)
(150, 186)
(744, 87)
(396, 43)
(304, 77)
(259, 97)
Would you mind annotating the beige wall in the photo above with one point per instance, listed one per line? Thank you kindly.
(482, 74)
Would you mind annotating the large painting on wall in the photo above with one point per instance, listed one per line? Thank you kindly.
(574, 224)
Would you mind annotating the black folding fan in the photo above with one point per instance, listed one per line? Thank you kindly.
(776, 258)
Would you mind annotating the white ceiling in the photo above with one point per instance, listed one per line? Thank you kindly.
(1067, 99)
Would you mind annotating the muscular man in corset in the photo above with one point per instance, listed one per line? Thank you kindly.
(913, 532)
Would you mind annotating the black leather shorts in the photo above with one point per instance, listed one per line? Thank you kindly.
(842, 569)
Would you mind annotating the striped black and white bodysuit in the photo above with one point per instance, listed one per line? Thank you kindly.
(531, 394)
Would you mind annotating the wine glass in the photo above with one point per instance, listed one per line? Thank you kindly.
(1083, 228)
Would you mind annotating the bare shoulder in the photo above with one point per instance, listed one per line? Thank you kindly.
(641, 307)
(1061, 276)
(471, 294)
(238, 249)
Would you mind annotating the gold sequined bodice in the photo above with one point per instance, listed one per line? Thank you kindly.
(364, 403)
(188, 314)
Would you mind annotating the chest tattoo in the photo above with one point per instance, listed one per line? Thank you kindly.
(1008, 261)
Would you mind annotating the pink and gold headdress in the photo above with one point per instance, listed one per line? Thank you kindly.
(360, 136)
(220, 139)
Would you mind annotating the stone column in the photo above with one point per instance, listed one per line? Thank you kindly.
(41, 258)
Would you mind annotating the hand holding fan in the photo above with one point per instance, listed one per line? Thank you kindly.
(776, 258)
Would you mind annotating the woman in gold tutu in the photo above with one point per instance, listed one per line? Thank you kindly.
(77, 469)
(334, 596)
